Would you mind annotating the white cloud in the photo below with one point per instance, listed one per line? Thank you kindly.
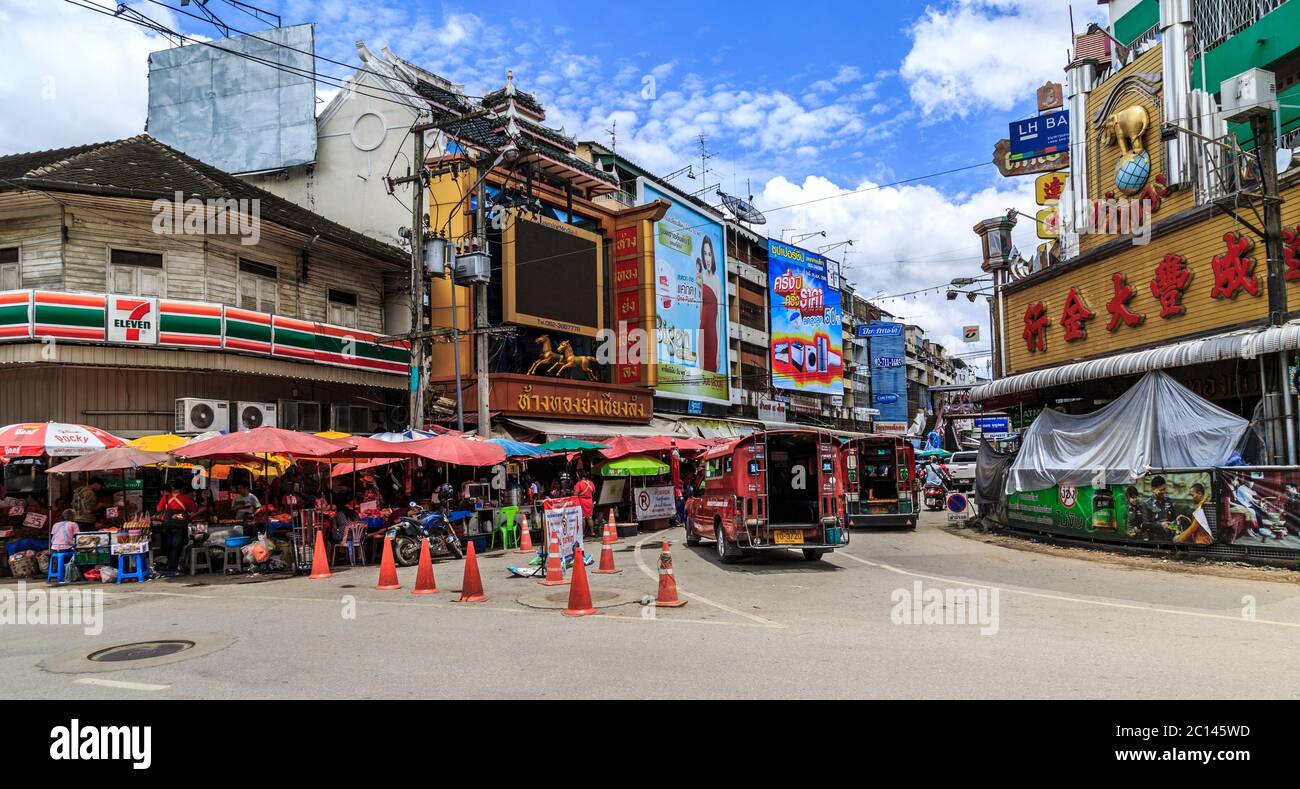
(906, 238)
(55, 96)
(970, 55)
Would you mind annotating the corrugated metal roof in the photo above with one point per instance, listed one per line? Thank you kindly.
(1244, 344)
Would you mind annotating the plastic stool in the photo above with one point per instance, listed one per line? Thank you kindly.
(198, 558)
(233, 557)
(138, 572)
(57, 560)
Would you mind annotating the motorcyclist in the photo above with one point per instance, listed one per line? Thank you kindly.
(936, 476)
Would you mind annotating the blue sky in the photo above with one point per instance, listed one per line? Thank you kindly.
(804, 101)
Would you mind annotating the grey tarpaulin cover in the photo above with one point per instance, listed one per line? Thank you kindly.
(1157, 424)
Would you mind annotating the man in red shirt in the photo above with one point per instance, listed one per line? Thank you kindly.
(177, 510)
(584, 490)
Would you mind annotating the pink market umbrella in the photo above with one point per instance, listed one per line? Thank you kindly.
(54, 439)
(112, 459)
(261, 441)
(456, 451)
(622, 446)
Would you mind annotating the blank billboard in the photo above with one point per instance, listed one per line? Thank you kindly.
(232, 112)
(553, 277)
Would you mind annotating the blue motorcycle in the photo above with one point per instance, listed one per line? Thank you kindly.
(418, 525)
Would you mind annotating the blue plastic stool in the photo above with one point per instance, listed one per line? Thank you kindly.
(138, 571)
(57, 560)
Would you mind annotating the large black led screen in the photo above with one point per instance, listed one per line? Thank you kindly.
(556, 276)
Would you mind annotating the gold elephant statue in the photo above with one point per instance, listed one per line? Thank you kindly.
(1126, 128)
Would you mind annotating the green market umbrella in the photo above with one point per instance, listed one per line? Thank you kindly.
(634, 467)
(570, 445)
(934, 453)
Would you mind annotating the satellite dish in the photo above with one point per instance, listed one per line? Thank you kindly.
(743, 209)
(1286, 157)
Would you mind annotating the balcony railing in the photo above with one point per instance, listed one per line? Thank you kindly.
(1215, 21)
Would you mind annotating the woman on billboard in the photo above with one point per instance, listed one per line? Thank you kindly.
(706, 266)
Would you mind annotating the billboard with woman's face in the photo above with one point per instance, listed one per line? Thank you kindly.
(690, 300)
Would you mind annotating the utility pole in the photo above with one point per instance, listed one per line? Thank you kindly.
(480, 316)
(416, 384)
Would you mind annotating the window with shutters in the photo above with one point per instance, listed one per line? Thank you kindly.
(136, 273)
(257, 286)
(11, 273)
(343, 308)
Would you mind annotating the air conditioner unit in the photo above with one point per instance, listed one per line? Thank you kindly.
(350, 418)
(300, 415)
(1251, 93)
(249, 416)
(201, 416)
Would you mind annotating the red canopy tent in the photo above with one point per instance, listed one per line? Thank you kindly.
(622, 446)
(456, 451)
(261, 441)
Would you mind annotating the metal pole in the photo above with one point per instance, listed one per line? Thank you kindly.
(1266, 150)
(416, 404)
(455, 339)
(1288, 408)
(480, 316)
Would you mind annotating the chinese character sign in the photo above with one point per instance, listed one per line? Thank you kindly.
(807, 345)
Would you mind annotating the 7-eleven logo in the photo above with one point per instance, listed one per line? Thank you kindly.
(135, 321)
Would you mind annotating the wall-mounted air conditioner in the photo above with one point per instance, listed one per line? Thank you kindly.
(194, 415)
(249, 416)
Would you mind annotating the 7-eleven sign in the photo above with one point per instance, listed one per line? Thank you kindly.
(132, 320)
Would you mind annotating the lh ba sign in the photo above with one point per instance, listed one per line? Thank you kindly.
(132, 320)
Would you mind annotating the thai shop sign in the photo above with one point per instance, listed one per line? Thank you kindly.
(1173, 507)
(888, 370)
(690, 272)
(132, 320)
(807, 341)
(654, 503)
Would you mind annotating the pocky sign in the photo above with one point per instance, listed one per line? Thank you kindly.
(132, 320)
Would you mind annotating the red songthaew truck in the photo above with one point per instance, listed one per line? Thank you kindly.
(880, 484)
(772, 490)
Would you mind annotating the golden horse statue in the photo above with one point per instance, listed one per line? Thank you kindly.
(546, 356)
(584, 363)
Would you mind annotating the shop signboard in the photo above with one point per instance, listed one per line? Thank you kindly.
(1260, 507)
(16, 315)
(132, 320)
(69, 316)
(888, 371)
(189, 324)
(654, 503)
(564, 522)
(690, 274)
(772, 411)
(1041, 135)
(806, 319)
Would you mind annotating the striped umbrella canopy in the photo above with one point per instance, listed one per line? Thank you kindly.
(54, 439)
(407, 435)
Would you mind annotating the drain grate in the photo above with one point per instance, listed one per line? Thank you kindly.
(143, 650)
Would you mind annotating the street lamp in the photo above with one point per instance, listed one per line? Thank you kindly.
(797, 239)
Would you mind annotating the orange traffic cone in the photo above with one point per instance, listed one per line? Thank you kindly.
(554, 567)
(667, 581)
(471, 588)
(579, 593)
(610, 537)
(388, 568)
(320, 566)
(424, 580)
(525, 537)
(607, 558)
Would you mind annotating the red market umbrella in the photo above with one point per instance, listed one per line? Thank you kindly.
(53, 439)
(344, 470)
(622, 446)
(112, 459)
(261, 441)
(456, 451)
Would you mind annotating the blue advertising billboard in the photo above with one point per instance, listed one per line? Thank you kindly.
(1041, 135)
(690, 254)
(807, 344)
(888, 371)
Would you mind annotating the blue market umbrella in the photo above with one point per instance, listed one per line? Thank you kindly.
(518, 449)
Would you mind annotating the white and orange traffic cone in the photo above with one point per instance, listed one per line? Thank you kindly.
(554, 567)
(667, 581)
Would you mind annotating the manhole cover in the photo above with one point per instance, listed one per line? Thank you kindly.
(145, 650)
(558, 599)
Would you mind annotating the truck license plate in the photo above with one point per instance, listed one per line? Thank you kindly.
(788, 537)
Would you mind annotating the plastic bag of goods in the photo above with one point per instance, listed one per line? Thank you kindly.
(107, 574)
(23, 564)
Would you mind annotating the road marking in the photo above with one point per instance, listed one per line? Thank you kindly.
(654, 576)
(1067, 598)
(117, 683)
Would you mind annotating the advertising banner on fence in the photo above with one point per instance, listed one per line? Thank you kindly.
(807, 345)
(1260, 507)
(888, 370)
(564, 520)
(690, 250)
(654, 503)
(1168, 507)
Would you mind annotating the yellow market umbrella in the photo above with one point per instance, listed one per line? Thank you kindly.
(163, 442)
(334, 434)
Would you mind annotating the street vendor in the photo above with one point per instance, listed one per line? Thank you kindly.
(244, 503)
(177, 510)
(86, 504)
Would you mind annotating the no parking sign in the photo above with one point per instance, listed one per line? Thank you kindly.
(959, 508)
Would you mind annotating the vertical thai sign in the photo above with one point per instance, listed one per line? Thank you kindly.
(630, 324)
(807, 344)
(888, 374)
(690, 277)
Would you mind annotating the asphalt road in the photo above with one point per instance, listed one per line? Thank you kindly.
(772, 626)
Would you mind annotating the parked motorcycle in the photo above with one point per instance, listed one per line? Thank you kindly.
(410, 529)
(935, 497)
